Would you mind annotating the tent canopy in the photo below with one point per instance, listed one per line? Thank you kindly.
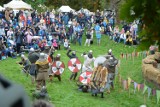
(17, 4)
(1, 8)
(84, 10)
(65, 9)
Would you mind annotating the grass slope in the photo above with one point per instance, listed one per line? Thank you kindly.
(65, 93)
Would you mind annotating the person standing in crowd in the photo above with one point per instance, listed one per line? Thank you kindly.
(66, 44)
(42, 66)
(79, 33)
(29, 36)
(88, 38)
(1, 47)
(73, 55)
(19, 40)
(10, 33)
(98, 33)
(6, 28)
(70, 31)
(2, 31)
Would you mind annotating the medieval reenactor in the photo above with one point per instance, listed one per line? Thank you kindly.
(110, 64)
(42, 66)
(73, 55)
(57, 68)
(33, 57)
(25, 63)
(98, 80)
(88, 59)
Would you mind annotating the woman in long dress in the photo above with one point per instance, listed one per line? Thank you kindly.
(29, 37)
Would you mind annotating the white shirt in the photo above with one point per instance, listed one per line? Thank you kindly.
(87, 60)
(123, 36)
(65, 44)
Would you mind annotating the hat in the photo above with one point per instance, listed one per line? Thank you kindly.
(31, 50)
(143, 106)
(110, 62)
(110, 50)
(73, 52)
(42, 57)
(58, 55)
(90, 51)
(22, 56)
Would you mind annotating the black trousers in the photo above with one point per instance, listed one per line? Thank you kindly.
(73, 75)
(18, 47)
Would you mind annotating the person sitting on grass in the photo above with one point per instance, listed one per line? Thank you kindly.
(25, 64)
(11, 52)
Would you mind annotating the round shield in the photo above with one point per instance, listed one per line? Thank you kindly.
(58, 67)
(98, 60)
(85, 77)
(49, 59)
(74, 65)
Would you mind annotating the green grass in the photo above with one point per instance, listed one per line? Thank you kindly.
(65, 93)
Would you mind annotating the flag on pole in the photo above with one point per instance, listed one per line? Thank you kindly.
(135, 86)
(129, 81)
(153, 92)
(142, 86)
(138, 86)
(149, 91)
(158, 95)
(145, 88)
(124, 84)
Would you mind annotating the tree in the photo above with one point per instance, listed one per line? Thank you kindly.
(92, 5)
(149, 12)
(4, 2)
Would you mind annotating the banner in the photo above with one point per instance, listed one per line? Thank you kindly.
(149, 91)
(145, 88)
(135, 87)
(129, 81)
(142, 54)
(158, 95)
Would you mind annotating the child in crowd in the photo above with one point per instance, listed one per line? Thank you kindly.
(55, 44)
(88, 38)
(66, 44)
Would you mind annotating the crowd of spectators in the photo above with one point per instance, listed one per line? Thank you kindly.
(26, 29)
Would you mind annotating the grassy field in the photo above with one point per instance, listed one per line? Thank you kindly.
(65, 93)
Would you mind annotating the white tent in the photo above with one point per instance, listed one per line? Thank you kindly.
(1, 8)
(17, 4)
(83, 11)
(65, 9)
